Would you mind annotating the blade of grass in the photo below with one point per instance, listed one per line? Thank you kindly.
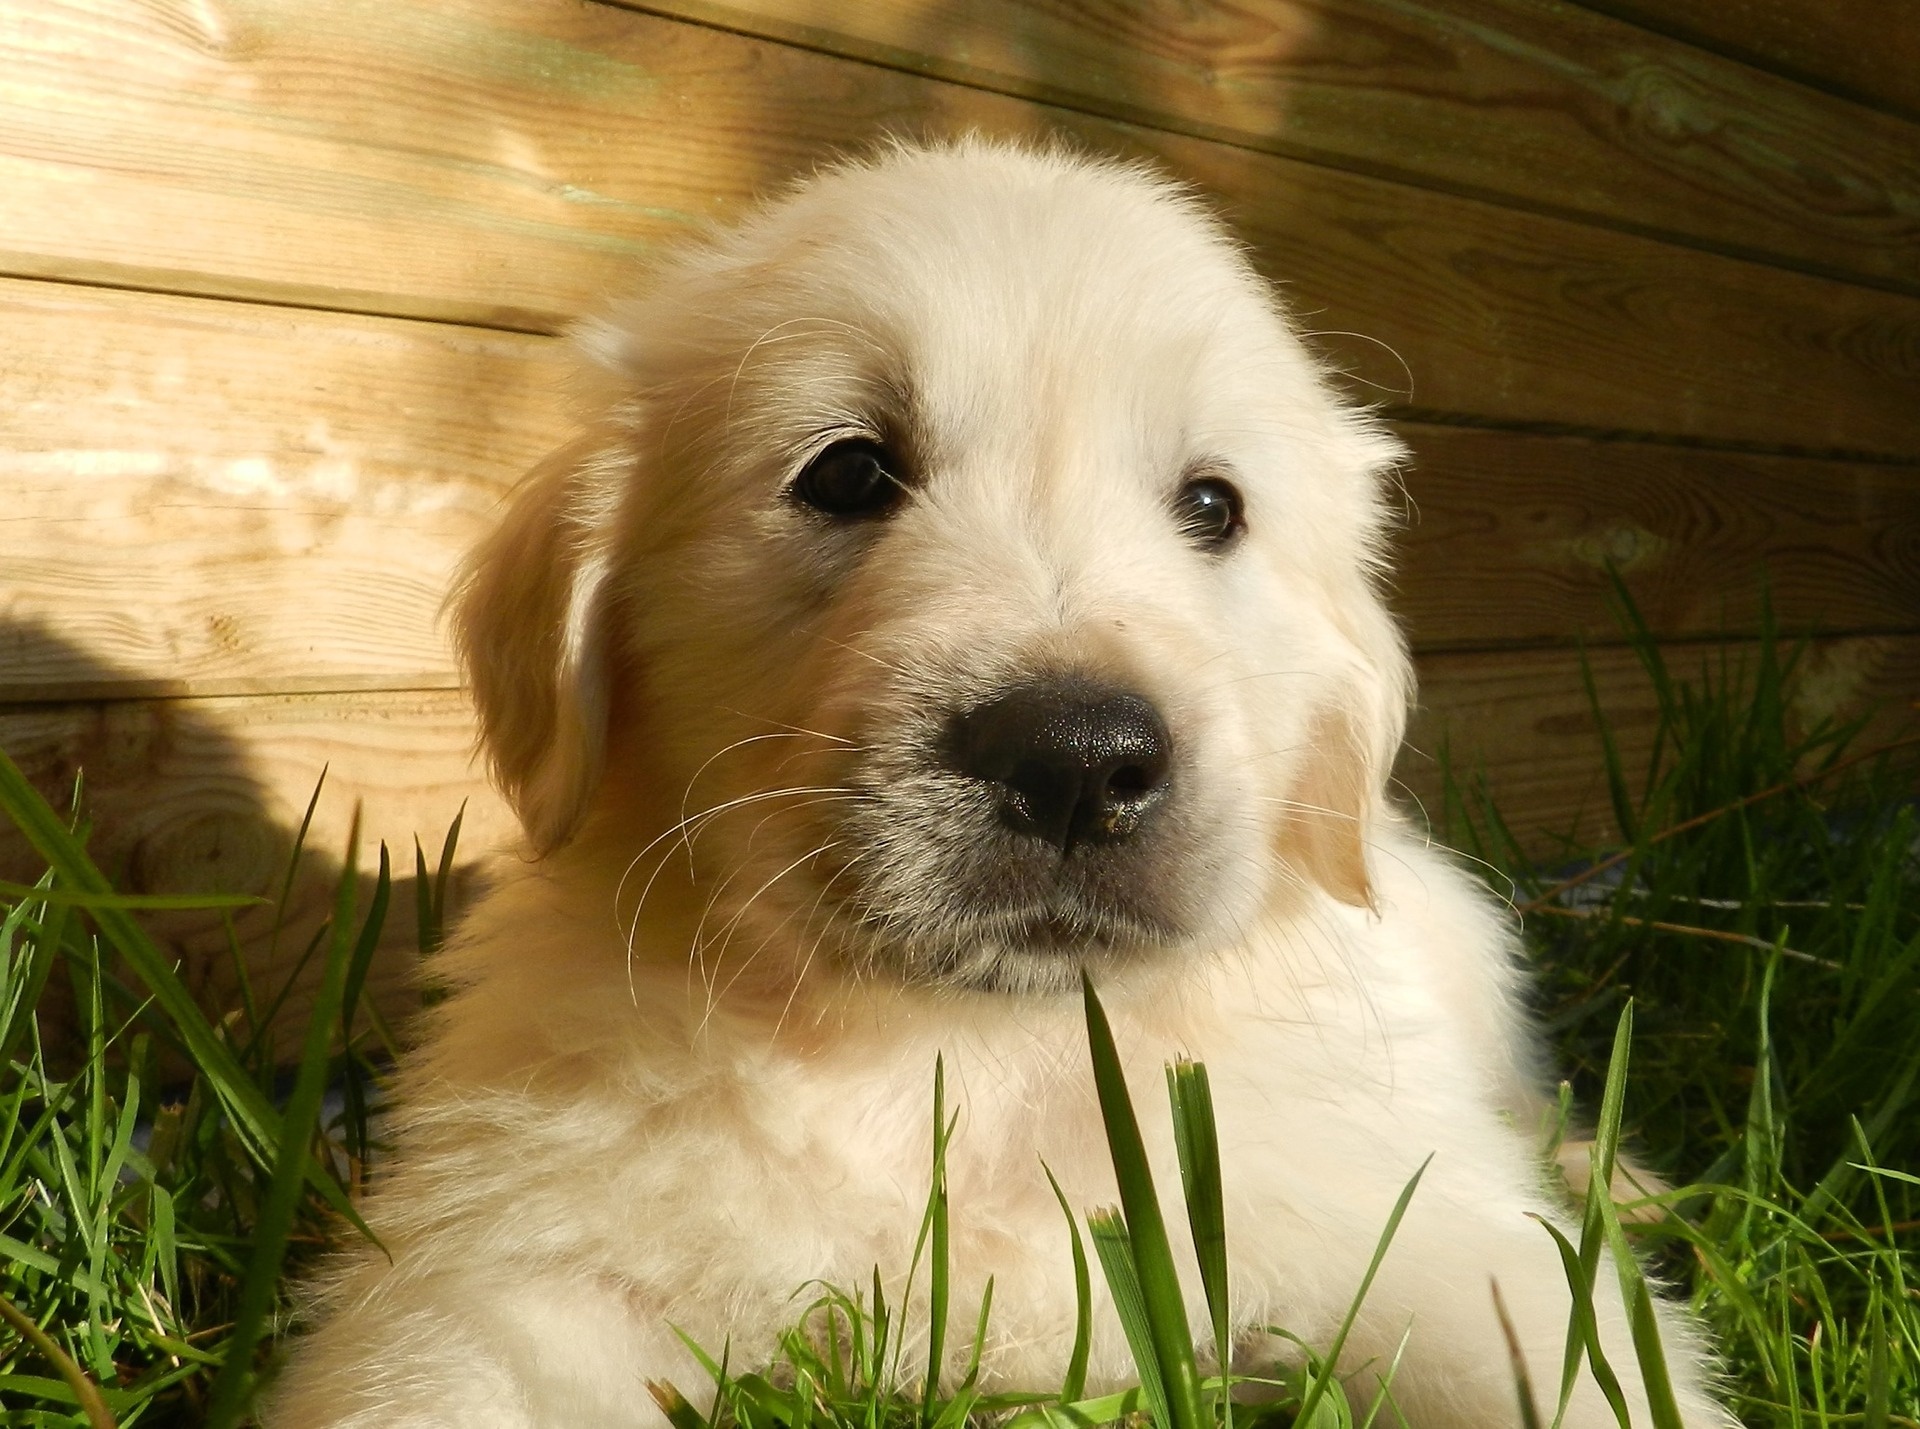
(1879, 1377)
(260, 1283)
(1643, 1327)
(1582, 1266)
(350, 994)
(1114, 1246)
(1385, 1396)
(1624, 811)
(242, 977)
(1075, 1383)
(1165, 1304)
(430, 897)
(85, 1391)
(934, 1228)
(1318, 1387)
(1647, 1347)
(294, 856)
(426, 927)
(873, 1359)
(36, 937)
(680, 1414)
(132, 902)
(1522, 1381)
(979, 1336)
(240, 1096)
(1197, 1140)
(1583, 1334)
(364, 949)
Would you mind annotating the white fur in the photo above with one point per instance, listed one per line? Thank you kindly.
(682, 1078)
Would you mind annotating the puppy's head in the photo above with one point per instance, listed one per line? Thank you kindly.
(968, 571)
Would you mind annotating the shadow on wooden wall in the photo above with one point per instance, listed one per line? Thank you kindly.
(173, 803)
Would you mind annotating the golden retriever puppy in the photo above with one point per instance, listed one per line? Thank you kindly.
(966, 580)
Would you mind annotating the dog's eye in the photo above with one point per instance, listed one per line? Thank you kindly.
(1209, 511)
(851, 479)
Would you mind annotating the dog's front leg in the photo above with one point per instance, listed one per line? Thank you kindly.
(501, 1350)
(1436, 1287)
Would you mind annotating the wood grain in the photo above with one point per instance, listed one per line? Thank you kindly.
(208, 498)
(1524, 317)
(1547, 106)
(1509, 539)
(512, 161)
(221, 498)
(1869, 49)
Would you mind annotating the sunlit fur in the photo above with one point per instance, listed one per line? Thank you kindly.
(688, 1066)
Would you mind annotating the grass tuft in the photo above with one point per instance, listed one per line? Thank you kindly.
(1758, 905)
(159, 1175)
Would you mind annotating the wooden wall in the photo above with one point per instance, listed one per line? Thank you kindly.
(279, 284)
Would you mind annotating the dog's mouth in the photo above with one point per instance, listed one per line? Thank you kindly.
(1033, 952)
(1062, 933)
(1069, 932)
(988, 920)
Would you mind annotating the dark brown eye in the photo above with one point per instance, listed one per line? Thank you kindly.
(851, 480)
(1209, 511)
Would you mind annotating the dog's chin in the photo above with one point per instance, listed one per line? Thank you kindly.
(1036, 951)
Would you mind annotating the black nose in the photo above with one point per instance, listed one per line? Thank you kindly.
(1075, 762)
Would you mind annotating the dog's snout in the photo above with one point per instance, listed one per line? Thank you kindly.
(1074, 762)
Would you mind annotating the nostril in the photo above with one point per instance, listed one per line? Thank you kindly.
(1074, 761)
(1132, 780)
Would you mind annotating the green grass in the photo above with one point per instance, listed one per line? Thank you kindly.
(1760, 903)
(1733, 977)
(159, 1171)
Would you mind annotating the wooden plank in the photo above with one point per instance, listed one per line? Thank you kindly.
(1509, 540)
(206, 498)
(178, 523)
(1552, 107)
(193, 796)
(1869, 49)
(510, 161)
(1535, 316)
(1524, 719)
(502, 161)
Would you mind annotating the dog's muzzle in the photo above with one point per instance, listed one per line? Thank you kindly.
(1006, 838)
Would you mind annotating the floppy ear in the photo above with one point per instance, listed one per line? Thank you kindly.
(1325, 835)
(530, 622)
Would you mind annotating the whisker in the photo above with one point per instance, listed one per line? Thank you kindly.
(784, 727)
(848, 797)
(781, 767)
(867, 655)
(1300, 806)
(813, 948)
(704, 816)
(777, 333)
(1392, 351)
(629, 929)
(687, 796)
(726, 933)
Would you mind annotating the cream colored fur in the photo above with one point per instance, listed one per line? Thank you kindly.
(688, 1067)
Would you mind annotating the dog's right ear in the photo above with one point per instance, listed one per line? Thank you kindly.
(1331, 810)
(530, 622)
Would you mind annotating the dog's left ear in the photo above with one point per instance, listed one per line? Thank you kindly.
(1329, 810)
(530, 621)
